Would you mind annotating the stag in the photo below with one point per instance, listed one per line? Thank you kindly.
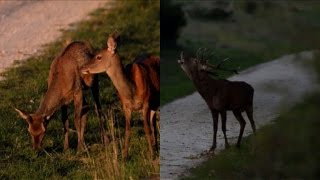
(66, 84)
(220, 95)
(138, 86)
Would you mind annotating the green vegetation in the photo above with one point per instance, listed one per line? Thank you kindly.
(139, 24)
(274, 29)
(286, 149)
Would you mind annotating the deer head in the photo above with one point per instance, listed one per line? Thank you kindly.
(105, 59)
(37, 127)
(198, 66)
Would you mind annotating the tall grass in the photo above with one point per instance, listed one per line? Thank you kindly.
(25, 85)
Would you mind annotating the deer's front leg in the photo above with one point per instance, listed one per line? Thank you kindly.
(65, 121)
(95, 93)
(215, 116)
(127, 113)
(224, 129)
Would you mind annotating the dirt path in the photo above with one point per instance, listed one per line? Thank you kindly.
(186, 124)
(27, 25)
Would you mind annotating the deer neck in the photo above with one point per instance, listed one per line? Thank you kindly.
(121, 82)
(205, 85)
(50, 103)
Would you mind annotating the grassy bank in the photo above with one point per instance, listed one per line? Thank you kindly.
(280, 28)
(25, 85)
(286, 149)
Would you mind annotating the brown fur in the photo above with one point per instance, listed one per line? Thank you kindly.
(221, 96)
(65, 84)
(138, 86)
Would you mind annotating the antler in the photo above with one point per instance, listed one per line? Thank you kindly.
(224, 69)
(202, 56)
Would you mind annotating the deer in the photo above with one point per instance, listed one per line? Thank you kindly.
(138, 86)
(66, 84)
(220, 95)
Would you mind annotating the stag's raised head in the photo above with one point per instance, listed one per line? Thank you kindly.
(105, 59)
(194, 67)
(36, 128)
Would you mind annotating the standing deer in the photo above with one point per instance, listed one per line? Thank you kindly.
(220, 95)
(138, 86)
(66, 84)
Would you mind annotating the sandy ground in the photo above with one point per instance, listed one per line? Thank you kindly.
(186, 124)
(28, 25)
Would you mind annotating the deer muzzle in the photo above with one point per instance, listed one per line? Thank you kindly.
(85, 70)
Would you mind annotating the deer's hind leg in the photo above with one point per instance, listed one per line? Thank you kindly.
(153, 126)
(224, 129)
(237, 114)
(215, 117)
(65, 121)
(146, 122)
(249, 112)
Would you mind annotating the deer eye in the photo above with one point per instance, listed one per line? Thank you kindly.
(98, 58)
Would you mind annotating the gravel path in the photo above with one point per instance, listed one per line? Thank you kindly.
(28, 25)
(186, 124)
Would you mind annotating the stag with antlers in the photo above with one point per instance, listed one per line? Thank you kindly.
(220, 95)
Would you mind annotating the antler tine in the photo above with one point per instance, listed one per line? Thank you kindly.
(199, 51)
(224, 69)
(226, 59)
(208, 57)
(204, 54)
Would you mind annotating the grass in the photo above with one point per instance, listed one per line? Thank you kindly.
(284, 27)
(25, 85)
(286, 149)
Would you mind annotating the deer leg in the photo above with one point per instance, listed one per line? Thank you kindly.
(78, 114)
(65, 121)
(84, 116)
(224, 120)
(215, 116)
(153, 127)
(242, 122)
(95, 93)
(146, 122)
(249, 112)
(127, 113)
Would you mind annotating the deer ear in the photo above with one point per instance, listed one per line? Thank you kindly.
(115, 35)
(22, 114)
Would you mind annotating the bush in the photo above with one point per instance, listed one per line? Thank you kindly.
(172, 20)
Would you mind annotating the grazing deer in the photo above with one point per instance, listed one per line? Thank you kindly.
(220, 95)
(138, 86)
(66, 84)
